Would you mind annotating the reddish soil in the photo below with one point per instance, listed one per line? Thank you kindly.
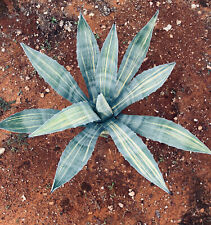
(99, 194)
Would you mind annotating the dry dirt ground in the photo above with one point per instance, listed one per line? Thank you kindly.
(108, 190)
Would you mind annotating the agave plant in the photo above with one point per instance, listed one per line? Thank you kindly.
(110, 91)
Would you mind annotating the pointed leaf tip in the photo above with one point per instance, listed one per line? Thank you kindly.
(164, 131)
(81, 17)
(156, 14)
(172, 64)
(23, 46)
(54, 187)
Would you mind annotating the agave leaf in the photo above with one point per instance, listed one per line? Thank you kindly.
(164, 131)
(73, 116)
(27, 120)
(135, 54)
(142, 85)
(103, 107)
(107, 65)
(135, 152)
(87, 55)
(76, 155)
(55, 75)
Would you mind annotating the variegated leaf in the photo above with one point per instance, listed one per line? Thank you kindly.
(142, 85)
(73, 116)
(103, 108)
(87, 55)
(135, 55)
(27, 120)
(76, 155)
(55, 75)
(164, 131)
(107, 66)
(135, 152)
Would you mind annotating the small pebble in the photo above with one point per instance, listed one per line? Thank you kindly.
(91, 14)
(178, 22)
(51, 203)
(61, 23)
(23, 198)
(18, 32)
(68, 26)
(131, 193)
(68, 68)
(195, 120)
(120, 205)
(171, 36)
(42, 95)
(168, 27)
(110, 207)
(182, 159)
(3, 49)
(157, 213)
(193, 6)
(27, 88)
(199, 127)
(157, 4)
(2, 150)
(47, 90)
(201, 210)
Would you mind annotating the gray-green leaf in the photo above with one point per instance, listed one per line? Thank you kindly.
(141, 86)
(76, 155)
(164, 131)
(87, 55)
(135, 54)
(107, 66)
(27, 120)
(135, 152)
(77, 114)
(103, 108)
(55, 75)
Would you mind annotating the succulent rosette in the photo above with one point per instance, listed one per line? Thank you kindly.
(110, 91)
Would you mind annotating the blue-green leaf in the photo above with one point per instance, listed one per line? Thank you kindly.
(103, 108)
(73, 116)
(107, 65)
(135, 152)
(27, 120)
(142, 85)
(76, 155)
(55, 75)
(135, 54)
(87, 55)
(164, 131)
